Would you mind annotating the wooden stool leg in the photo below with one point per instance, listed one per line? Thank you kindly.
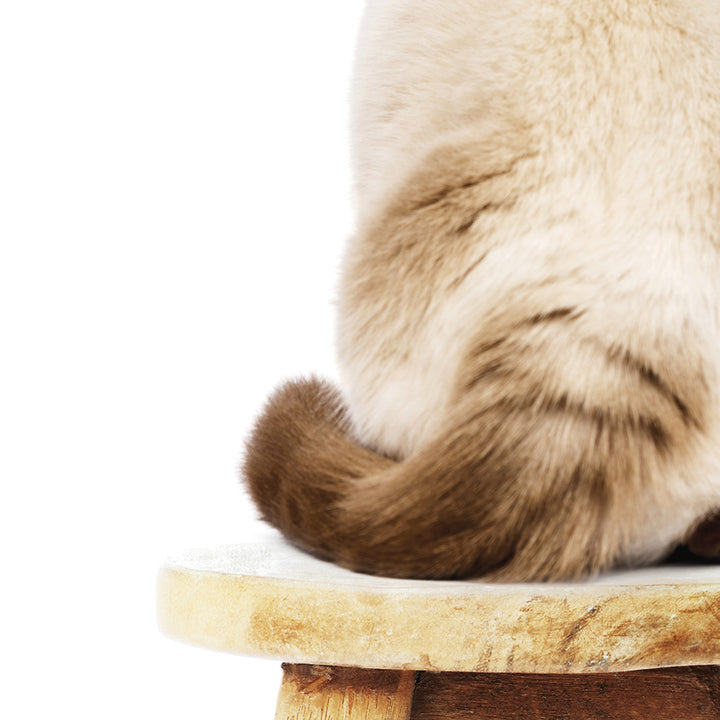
(318, 692)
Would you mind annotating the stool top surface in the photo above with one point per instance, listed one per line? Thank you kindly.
(269, 599)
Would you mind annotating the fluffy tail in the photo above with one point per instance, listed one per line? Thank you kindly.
(510, 492)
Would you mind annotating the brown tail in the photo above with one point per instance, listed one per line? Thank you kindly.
(508, 493)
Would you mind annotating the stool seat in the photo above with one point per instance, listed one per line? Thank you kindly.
(271, 600)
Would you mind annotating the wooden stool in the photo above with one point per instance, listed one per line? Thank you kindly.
(639, 645)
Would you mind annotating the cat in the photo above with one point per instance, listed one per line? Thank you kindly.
(529, 312)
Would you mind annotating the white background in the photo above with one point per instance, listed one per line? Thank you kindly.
(174, 199)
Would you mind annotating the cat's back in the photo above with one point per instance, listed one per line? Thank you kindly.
(596, 128)
(603, 86)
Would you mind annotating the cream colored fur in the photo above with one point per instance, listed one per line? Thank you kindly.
(621, 101)
(529, 312)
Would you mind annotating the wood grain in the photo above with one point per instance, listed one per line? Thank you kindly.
(689, 693)
(271, 600)
(316, 692)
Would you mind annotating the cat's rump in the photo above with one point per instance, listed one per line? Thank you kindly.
(519, 485)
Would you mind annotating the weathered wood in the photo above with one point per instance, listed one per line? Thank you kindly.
(271, 600)
(317, 692)
(689, 693)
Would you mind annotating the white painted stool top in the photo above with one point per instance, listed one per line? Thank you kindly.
(271, 600)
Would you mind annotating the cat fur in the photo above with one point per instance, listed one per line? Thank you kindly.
(529, 311)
